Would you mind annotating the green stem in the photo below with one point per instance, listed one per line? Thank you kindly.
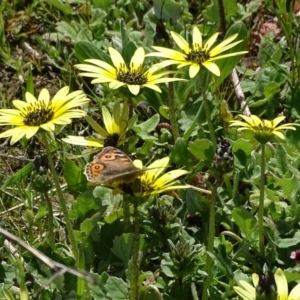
(134, 268)
(61, 199)
(172, 110)
(209, 122)
(261, 202)
(50, 220)
(210, 244)
(126, 212)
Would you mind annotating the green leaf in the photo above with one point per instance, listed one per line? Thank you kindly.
(117, 289)
(75, 178)
(85, 50)
(64, 8)
(98, 290)
(280, 160)
(148, 125)
(287, 243)
(271, 89)
(180, 154)
(84, 203)
(245, 221)
(168, 10)
(122, 246)
(202, 149)
(19, 176)
(290, 186)
(212, 12)
(67, 30)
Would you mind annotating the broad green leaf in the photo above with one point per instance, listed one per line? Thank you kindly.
(75, 178)
(122, 246)
(202, 149)
(116, 289)
(180, 154)
(168, 10)
(245, 222)
(212, 12)
(288, 243)
(85, 50)
(271, 89)
(84, 203)
(290, 186)
(280, 160)
(98, 290)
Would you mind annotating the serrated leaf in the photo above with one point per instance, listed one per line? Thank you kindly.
(117, 288)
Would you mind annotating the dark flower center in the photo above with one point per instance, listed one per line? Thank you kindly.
(37, 113)
(131, 76)
(197, 54)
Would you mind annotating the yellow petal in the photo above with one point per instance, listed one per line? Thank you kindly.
(137, 59)
(83, 141)
(281, 283)
(212, 67)
(116, 58)
(134, 89)
(295, 293)
(181, 42)
(193, 70)
(211, 41)
(107, 120)
(197, 36)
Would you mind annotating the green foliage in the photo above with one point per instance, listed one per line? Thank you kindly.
(193, 243)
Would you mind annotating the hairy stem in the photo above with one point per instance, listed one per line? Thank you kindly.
(210, 244)
(261, 202)
(61, 199)
(134, 268)
(50, 220)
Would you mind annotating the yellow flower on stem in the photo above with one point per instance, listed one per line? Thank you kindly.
(154, 182)
(263, 130)
(150, 181)
(196, 54)
(116, 126)
(41, 113)
(258, 291)
(134, 76)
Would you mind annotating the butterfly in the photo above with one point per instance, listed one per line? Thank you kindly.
(112, 165)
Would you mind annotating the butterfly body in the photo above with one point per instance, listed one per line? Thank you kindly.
(111, 165)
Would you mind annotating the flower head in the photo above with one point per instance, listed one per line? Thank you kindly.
(134, 75)
(196, 54)
(41, 113)
(151, 181)
(249, 292)
(116, 126)
(263, 130)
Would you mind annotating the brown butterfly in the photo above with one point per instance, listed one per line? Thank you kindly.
(112, 165)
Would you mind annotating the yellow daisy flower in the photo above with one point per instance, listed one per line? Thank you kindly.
(196, 54)
(151, 181)
(134, 75)
(263, 130)
(249, 292)
(116, 126)
(42, 113)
